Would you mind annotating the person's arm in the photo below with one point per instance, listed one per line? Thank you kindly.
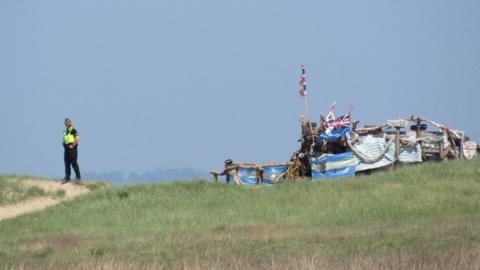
(77, 139)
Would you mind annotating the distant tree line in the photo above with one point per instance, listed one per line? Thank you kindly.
(157, 175)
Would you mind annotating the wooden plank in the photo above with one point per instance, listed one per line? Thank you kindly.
(462, 140)
(441, 148)
(397, 144)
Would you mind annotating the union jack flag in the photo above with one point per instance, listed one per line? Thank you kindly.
(343, 121)
(330, 115)
(337, 122)
(303, 82)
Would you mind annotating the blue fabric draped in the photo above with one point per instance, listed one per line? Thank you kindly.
(271, 174)
(334, 135)
(329, 166)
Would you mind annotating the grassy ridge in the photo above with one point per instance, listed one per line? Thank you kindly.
(423, 216)
(13, 190)
(19, 188)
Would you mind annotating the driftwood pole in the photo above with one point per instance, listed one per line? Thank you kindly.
(441, 151)
(303, 93)
(419, 122)
(305, 104)
(418, 126)
(260, 171)
(397, 145)
(441, 146)
(397, 124)
(307, 113)
(460, 148)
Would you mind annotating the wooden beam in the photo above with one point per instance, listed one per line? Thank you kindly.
(441, 147)
(397, 145)
(462, 140)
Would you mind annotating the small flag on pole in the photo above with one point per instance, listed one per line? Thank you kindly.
(303, 83)
(331, 110)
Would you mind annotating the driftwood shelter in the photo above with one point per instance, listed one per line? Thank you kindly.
(337, 147)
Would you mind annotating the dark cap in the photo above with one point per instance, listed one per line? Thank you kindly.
(228, 162)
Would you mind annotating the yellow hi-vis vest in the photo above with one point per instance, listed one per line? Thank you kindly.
(68, 137)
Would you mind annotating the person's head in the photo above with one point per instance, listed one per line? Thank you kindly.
(68, 122)
(228, 162)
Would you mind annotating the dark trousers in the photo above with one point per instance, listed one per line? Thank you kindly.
(70, 159)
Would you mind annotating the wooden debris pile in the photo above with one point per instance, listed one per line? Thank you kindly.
(333, 142)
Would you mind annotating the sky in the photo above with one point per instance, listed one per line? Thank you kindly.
(188, 84)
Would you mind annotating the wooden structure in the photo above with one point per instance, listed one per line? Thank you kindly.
(231, 170)
(437, 142)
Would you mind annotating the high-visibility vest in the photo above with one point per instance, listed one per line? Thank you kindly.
(68, 137)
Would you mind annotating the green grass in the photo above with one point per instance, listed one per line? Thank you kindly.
(12, 189)
(92, 184)
(424, 217)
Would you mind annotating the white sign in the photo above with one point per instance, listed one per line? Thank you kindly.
(397, 123)
(469, 149)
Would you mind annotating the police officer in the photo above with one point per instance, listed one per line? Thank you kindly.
(70, 144)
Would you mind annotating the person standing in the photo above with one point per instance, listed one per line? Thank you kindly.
(70, 145)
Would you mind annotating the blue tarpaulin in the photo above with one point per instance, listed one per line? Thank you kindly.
(272, 174)
(329, 166)
(247, 176)
(334, 135)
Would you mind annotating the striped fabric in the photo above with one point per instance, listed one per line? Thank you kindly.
(372, 147)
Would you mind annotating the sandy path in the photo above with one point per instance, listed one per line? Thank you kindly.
(37, 204)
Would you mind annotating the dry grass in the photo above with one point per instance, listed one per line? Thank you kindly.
(445, 244)
(462, 259)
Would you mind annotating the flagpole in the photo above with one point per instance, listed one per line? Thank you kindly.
(307, 114)
(304, 94)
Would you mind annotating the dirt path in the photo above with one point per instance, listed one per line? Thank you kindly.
(37, 204)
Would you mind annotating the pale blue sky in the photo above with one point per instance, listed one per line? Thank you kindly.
(162, 84)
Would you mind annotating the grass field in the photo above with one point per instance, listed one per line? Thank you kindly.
(419, 217)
